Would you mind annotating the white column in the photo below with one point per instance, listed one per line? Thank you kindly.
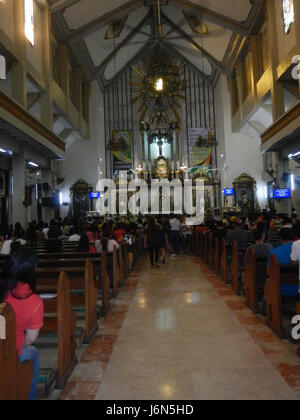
(19, 212)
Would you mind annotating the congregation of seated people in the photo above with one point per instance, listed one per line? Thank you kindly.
(18, 278)
(266, 234)
(258, 257)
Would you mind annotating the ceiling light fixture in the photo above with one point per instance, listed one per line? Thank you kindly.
(159, 85)
(35, 165)
(293, 155)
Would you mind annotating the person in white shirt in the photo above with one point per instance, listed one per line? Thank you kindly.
(6, 247)
(295, 256)
(45, 231)
(107, 244)
(5, 250)
(175, 235)
(74, 237)
(108, 248)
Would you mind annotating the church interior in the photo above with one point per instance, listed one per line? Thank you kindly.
(112, 114)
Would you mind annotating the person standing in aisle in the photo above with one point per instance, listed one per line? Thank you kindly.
(152, 240)
(175, 235)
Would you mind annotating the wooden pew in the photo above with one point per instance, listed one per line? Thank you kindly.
(125, 258)
(279, 275)
(238, 256)
(15, 377)
(122, 263)
(62, 324)
(210, 251)
(255, 274)
(83, 291)
(224, 261)
(113, 268)
(101, 277)
(195, 243)
(205, 247)
(200, 241)
(217, 256)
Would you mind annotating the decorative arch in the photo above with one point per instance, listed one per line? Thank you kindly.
(80, 198)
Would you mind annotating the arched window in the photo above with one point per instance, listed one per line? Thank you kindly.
(288, 14)
(29, 20)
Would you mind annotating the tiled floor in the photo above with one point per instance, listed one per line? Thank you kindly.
(179, 333)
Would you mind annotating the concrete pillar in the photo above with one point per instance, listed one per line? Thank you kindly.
(255, 61)
(19, 211)
(86, 100)
(277, 93)
(78, 88)
(18, 71)
(46, 96)
(240, 82)
(64, 68)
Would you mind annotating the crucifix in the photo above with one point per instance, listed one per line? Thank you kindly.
(160, 144)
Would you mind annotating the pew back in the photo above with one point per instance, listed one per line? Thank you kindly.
(255, 277)
(64, 324)
(15, 377)
(279, 275)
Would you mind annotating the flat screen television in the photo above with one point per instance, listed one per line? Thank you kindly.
(282, 193)
(229, 191)
(94, 195)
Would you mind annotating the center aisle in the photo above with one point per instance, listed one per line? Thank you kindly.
(180, 340)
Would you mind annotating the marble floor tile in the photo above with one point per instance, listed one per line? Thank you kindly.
(178, 332)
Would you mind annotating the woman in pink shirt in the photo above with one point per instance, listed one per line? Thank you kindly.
(18, 290)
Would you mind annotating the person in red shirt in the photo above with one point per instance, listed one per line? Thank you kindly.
(18, 290)
(201, 229)
(119, 232)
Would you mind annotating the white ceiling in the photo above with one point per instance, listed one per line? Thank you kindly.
(88, 21)
(99, 48)
(87, 10)
(235, 9)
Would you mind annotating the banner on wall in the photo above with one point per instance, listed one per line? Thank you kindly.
(121, 150)
(200, 150)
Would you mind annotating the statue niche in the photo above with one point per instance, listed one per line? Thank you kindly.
(80, 198)
(245, 193)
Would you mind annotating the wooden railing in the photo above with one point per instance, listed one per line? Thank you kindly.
(284, 121)
(10, 106)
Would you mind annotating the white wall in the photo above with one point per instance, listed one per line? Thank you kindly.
(81, 156)
(7, 18)
(241, 151)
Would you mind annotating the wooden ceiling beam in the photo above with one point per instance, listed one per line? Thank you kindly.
(61, 5)
(96, 24)
(211, 16)
(213, 61)
(122, 44)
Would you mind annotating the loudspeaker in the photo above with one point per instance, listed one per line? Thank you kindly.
(46, 187)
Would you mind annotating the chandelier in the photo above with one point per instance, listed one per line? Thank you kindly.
(158, 87)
